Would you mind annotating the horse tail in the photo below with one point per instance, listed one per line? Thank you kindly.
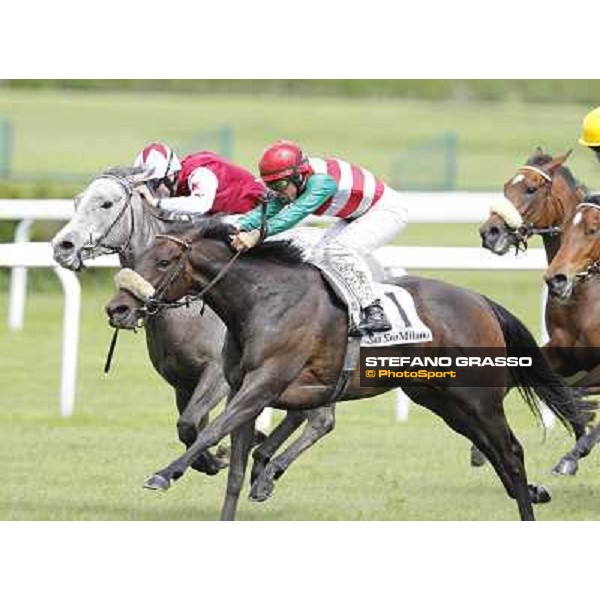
(540, 379)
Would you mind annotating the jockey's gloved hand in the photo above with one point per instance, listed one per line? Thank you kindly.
(244, 240)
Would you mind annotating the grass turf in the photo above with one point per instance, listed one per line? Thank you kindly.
(91, 466)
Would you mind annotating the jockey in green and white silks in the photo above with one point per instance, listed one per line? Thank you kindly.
(371, 214)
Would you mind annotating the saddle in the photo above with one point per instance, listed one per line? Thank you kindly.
(399, 305)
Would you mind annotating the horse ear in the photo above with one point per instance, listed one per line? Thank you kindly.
(558, 161)
(141, 174)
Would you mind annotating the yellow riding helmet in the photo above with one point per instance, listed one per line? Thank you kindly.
(590, 129)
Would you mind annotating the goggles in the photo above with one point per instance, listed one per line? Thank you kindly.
(279, 185)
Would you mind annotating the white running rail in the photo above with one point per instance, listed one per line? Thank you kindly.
(438, 207)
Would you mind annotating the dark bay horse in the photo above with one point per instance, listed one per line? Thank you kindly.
(286, 335)
(574, 285)
(541, 199)
(112, 216)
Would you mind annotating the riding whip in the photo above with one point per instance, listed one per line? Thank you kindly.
(111, 351)
(263, 219)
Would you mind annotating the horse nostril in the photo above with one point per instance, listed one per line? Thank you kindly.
(120, 310)
(557, 281)
(66, 246)
(490, 235)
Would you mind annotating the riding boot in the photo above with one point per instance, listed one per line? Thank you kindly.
(355, 274)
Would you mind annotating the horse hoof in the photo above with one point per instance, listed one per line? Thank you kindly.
(157, 482)
(478, 459)
(539, 494)
(566, 466)
(261, 490)
(259, 495)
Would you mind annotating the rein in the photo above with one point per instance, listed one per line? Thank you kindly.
(155, 304)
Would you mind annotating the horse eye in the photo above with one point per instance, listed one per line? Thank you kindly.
(106, 204)
(163, 263)
(531, 190)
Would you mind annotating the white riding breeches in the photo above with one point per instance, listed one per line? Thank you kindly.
(375, 228)
(347, 244)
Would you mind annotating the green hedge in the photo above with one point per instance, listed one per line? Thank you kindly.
(537, 90)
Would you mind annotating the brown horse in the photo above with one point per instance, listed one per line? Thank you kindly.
(538, 200)
(285, 348)
(574, 285)
(541, 199)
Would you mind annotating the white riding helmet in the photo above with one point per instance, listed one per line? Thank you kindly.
(161, 157)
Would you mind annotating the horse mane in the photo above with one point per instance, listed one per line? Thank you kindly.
(539, 159)
(122, 172)
(215, 228)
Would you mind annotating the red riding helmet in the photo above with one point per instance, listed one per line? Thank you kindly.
(282, 159)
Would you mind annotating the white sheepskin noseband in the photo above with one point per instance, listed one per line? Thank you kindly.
(128, 279)
(505, 209)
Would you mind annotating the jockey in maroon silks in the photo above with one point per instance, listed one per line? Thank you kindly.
(202, 182)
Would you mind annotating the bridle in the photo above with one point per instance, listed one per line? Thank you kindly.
(156, 303)
(125, 249)
(525, 231)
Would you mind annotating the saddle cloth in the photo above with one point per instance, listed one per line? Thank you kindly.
(407, 327)
(399, 306)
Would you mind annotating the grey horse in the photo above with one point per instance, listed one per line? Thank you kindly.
(184, 345)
